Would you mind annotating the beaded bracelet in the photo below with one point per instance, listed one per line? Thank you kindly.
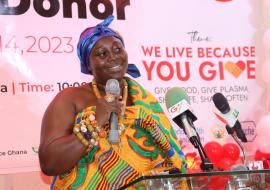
(87, 130)
(85, 136)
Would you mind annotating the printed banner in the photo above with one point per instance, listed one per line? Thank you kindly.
(204, 47)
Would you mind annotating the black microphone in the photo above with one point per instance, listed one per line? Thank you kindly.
(229, 116)
(112, 87)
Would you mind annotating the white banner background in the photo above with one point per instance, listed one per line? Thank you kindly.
(38, 59)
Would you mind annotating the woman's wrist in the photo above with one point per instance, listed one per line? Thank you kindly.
(87, 129)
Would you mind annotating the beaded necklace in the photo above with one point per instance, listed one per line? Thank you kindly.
(124, 102)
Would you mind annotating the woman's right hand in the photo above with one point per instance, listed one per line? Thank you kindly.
(105, 108)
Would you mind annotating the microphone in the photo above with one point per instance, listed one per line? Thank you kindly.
(112, 87)
(228, 116)
(178, 105)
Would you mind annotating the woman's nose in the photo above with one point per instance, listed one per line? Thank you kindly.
(111, 55)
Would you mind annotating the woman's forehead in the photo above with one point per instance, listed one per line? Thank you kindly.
(107, 40)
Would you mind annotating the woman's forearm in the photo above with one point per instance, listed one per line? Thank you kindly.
(60, 155)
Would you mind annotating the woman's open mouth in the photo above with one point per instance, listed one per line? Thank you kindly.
(115, 68)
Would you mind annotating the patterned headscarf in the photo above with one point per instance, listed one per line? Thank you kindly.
(88, 39)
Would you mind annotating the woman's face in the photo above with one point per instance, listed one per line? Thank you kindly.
(108, 60)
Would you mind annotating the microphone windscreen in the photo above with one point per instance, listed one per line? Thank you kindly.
(221, 103)
(112, 87)
(175, 95)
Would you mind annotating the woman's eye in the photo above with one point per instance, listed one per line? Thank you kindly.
(101, 54)
(117, 50)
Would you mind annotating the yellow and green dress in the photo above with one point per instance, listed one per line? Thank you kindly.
(147, 144)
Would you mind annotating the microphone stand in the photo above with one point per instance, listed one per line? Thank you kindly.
(194, 138)
(240, 144)
(206, 164)
(242, 149)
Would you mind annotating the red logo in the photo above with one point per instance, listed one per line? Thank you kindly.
(174, 108)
